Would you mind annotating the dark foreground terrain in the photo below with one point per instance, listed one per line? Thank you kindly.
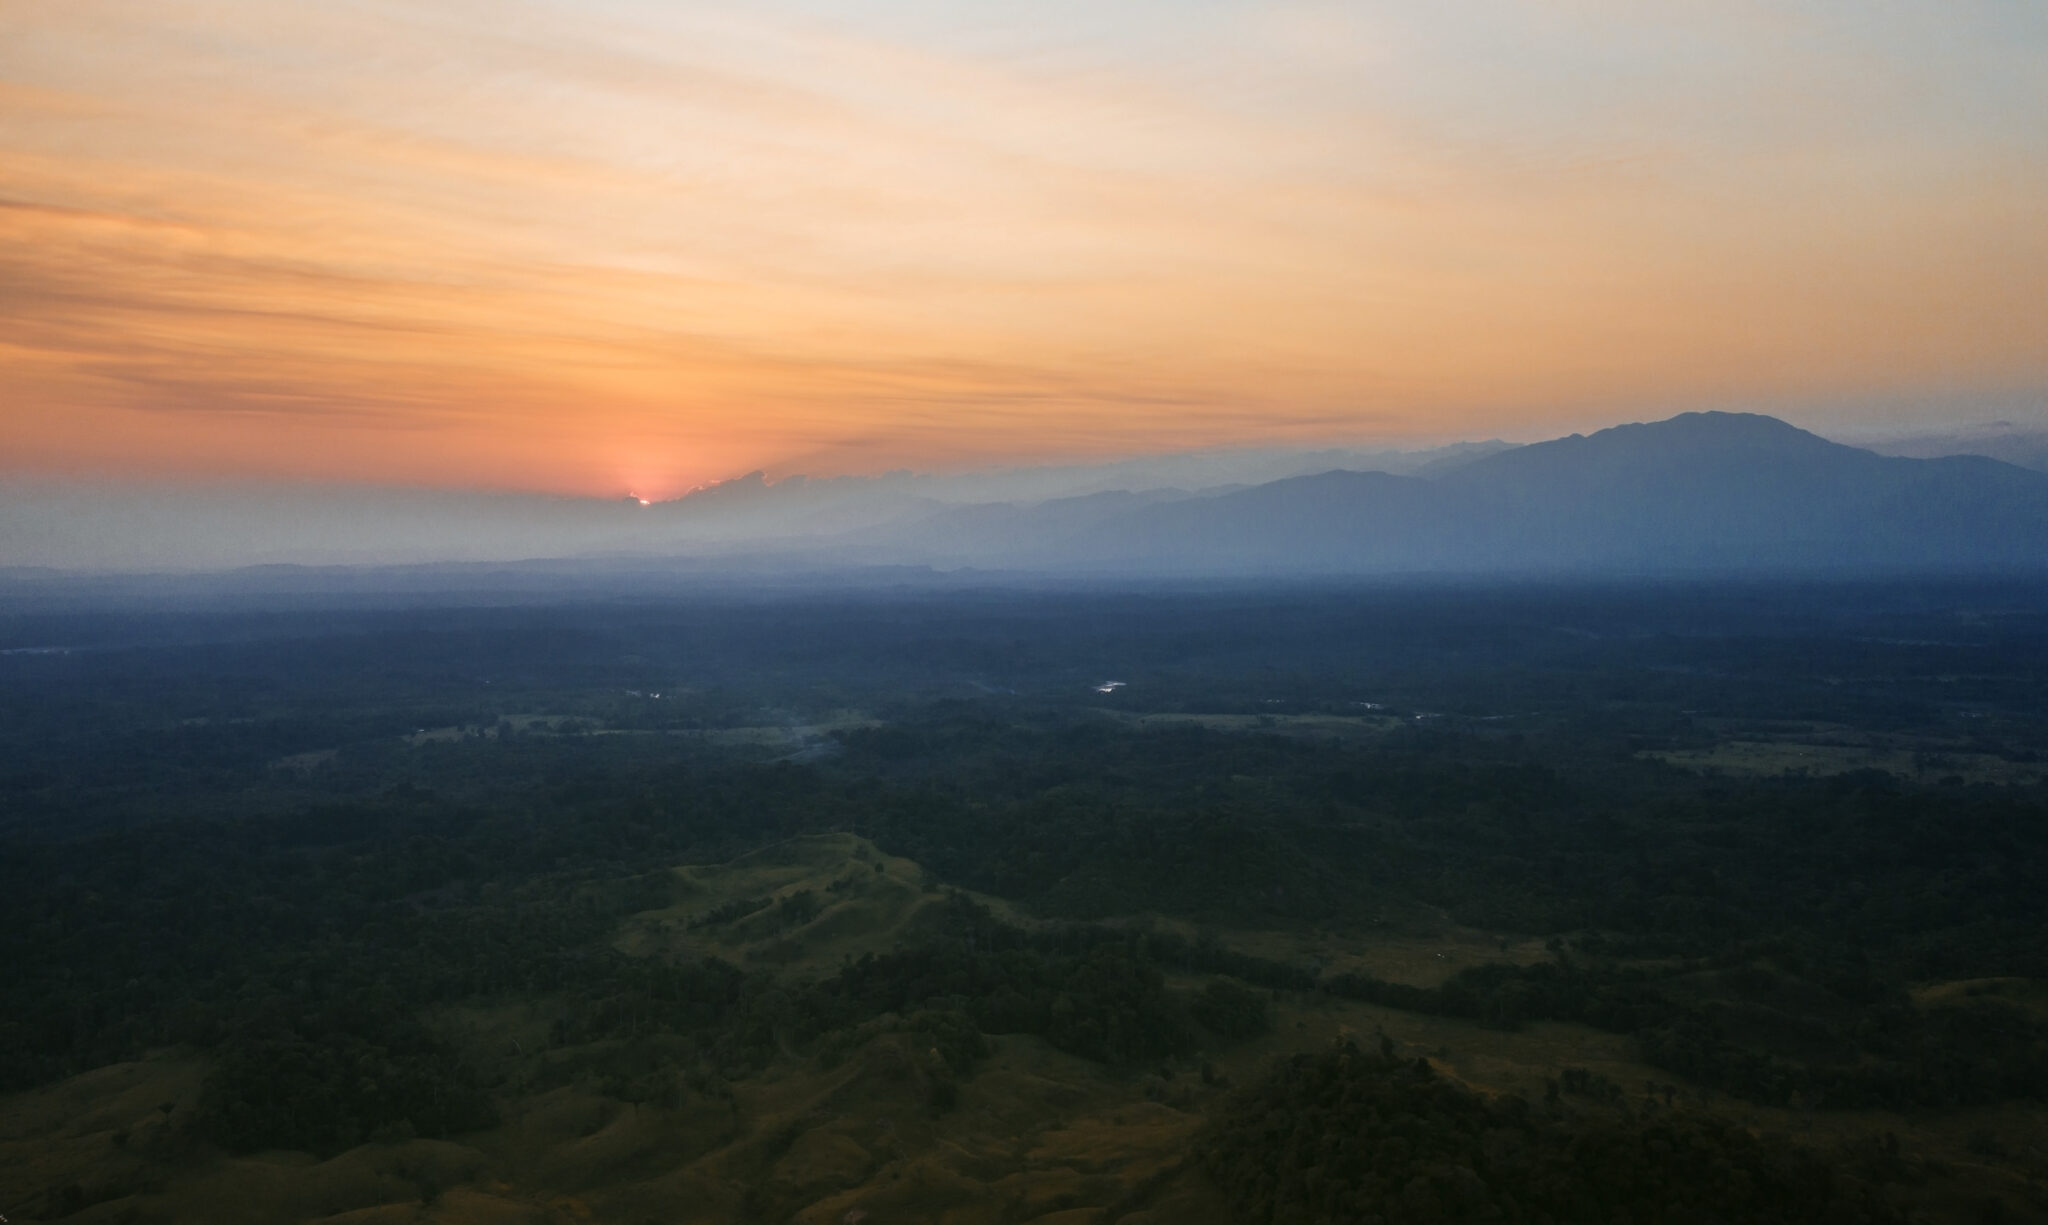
(1685, 903)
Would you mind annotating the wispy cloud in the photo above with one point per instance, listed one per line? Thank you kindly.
(579, 247)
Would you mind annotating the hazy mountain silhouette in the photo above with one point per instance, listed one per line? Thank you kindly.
(144, 526)
(1698, 492)
(2015, 444)
(1702, 492)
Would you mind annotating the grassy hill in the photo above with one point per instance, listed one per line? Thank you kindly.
(873, 1123)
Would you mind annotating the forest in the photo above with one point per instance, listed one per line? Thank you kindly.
(293, 846)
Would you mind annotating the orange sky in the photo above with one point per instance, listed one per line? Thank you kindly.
(639, 245)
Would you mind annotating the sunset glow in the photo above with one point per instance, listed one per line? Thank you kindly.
(638, 246)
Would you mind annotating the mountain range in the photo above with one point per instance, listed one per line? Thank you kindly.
(1709, 492)
(2014, 443)
(1699, 492)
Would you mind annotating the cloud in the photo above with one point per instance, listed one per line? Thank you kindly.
(537, 238)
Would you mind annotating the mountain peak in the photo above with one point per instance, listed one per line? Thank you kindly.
(1718, 424)
(1646, 448)
(1708, 429)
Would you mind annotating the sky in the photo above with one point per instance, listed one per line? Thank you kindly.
(638, 245)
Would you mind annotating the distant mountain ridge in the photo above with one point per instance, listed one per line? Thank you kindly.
(1698, 492)
(2026, 447)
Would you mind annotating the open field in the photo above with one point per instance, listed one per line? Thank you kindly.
(1339, 727)
(1768, 758)
(794, 734)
